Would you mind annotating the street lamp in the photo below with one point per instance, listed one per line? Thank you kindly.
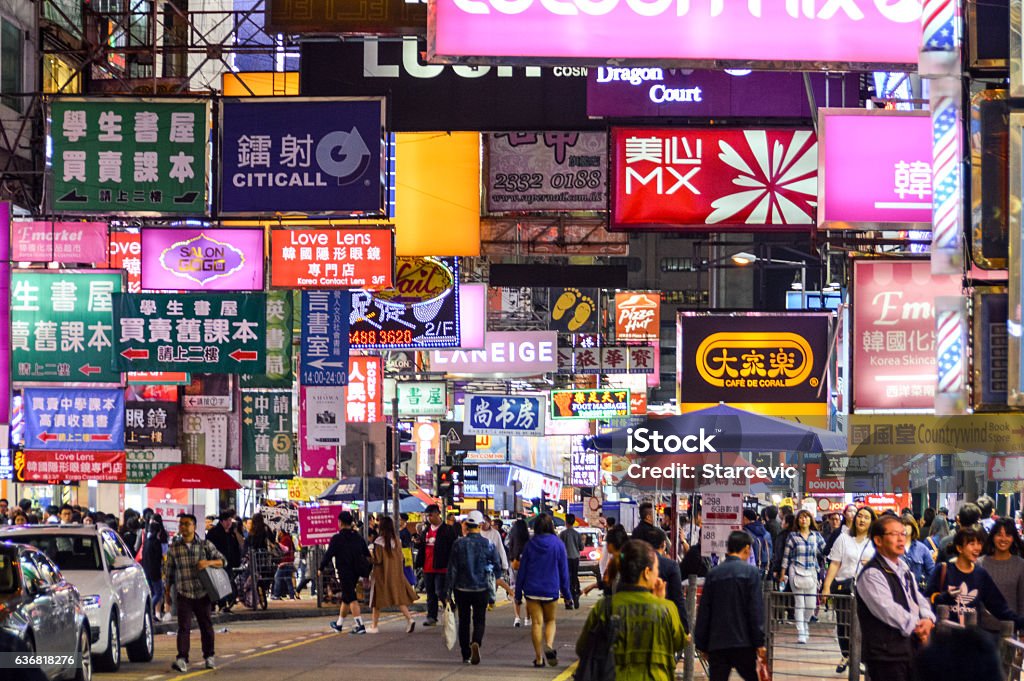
(744, 258)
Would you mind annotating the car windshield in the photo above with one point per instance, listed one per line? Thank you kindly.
(68, 551)
(8, 577)
(589, 539)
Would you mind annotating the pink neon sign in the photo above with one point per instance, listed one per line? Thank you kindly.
(819, 31)
(874, 167)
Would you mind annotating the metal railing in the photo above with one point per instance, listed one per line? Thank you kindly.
(829, 643)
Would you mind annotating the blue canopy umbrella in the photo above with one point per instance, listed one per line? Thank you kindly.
(720, 429)
(406, 504)
(351, 490)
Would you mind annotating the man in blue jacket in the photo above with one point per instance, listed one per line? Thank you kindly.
(730, 620)
(473, 560)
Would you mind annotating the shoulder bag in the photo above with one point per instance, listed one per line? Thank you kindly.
(215, 580)
(597, 663)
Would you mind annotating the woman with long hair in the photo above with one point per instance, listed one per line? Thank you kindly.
(918, 555)
(1003, 559)
(613, 544)
(518, 536)
(154, 546)
(388, 585)
(259, 537)
(543, 573)
(849, 554)
(801, 562)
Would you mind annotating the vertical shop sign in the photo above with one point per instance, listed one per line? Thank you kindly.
(62, 326)
(74, 418)
(894, 359)
(364, 391)
(323, 408)
(584, 468)
(991, 346)
(268, 445)
(129, 156)
(280, 323)
(205, 438)
(324, 349)
(199, 332)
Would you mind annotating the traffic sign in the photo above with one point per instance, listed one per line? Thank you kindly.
(456, 437)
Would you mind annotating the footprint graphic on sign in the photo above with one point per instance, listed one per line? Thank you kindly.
(581, 305)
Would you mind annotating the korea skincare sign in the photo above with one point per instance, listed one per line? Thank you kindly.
(874, 167)
(133, 156)
(302, 155)
(818, 32)
(667, 178)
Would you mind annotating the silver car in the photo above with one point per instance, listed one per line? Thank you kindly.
(114, 589)
(42, 611)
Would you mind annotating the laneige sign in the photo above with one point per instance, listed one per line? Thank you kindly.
(523, 353)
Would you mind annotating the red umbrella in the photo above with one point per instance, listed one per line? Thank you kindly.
(193, 476)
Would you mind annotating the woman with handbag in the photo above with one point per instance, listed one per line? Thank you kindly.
(849, 554)
(388, 585)
(804, 552)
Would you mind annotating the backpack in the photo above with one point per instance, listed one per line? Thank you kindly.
(760, 553)
(597, 663)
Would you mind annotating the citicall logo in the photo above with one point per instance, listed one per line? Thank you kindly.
(898, 11)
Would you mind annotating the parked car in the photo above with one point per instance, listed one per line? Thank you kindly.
(114, 589)
(590, 556)
(42, 610)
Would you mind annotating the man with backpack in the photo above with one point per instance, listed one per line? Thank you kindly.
(351, 560)
(761, 542)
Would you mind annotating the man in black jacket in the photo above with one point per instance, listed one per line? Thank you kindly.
(730, 620)
(668, 570)
(432, 552)
(894, 616)
(351, 563)
(220, 536)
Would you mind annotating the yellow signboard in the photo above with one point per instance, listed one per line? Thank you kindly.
(306, 489)
(909, 434)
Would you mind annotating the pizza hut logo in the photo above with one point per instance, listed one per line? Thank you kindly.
(637, 316)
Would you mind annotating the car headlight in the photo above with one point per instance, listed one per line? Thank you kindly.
(90, 602)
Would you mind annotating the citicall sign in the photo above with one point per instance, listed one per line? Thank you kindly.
(823, 32)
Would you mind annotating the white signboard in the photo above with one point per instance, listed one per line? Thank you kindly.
(280, 517)
(325, 416)
(507, 353)
(713, 539)
(723, 514)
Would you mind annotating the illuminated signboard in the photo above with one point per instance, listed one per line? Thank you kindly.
(589, 404)
(202, 260)
(332, 258)
(420, 311)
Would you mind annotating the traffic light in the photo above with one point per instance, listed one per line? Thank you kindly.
(450, 485)
(403, 437)
(535, 506)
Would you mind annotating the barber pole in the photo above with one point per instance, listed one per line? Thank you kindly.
(940, 62)
(950, 343)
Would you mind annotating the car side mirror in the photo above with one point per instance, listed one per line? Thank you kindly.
(122, 562)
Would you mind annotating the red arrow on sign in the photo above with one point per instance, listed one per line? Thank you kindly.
(135, 353)
(46, 437)
(89, 369)
(101, 438)
(244, 355)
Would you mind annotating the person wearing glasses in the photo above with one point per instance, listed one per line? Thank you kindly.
(896, 618)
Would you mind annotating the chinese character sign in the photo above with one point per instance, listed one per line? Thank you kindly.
(547, 171)
(637, 316)
(202, 260)
(504, 415)
(364, 391)
(62, 326)
(205, 438)
(876, 167)
(324, 349)
(217, 333)
(308, 156)
(151, 424)
(421, 398)
(129, 156)
(332, 258)
(268, 444)
(278, 374)
(126, 254)
(608, 359)
(584, 468)
(74, 419)
(143, 464)
(420, 311)
(63, 242)
(589, 404)
(893, 333)
(671, 178)
(79, 465)
(323, 429)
